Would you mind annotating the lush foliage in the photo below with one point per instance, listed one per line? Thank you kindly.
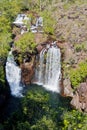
(26, 43)
(74, 120)
(78, 75)
(39, 110)
(8, 10)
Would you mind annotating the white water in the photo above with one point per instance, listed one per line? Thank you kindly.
(48, 74)
(40, 72)
(19, 21)
(13, 76)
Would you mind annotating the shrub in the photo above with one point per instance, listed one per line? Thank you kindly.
(26, 43)
(74, 120)
(78, 75)
(78, 48)
(81, 47)
(49, 22)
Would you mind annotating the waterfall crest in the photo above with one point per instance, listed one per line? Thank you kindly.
(48, 71)
(13, 76)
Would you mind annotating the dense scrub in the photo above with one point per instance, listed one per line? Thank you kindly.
(7, 14)
(40, 110)
(78, 75)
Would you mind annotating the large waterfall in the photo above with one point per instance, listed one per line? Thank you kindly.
(48, 71)
(13, 76)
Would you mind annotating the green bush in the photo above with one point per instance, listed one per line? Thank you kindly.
(81, 47)
(2, 74)
(49, 22)
(26, 43)
(38, 110)
(78, 48)
(78, 75)
(10, 8)
(23, 126)
(74, 120)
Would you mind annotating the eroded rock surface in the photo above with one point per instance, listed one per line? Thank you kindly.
(67, 89)
(27, 72)
(79, 100)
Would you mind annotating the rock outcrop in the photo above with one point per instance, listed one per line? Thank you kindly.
(27, 72)
(67, 89)
(79, 100)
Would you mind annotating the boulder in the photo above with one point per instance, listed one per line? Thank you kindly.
(79, 100)
(68, 91)
(75, 102)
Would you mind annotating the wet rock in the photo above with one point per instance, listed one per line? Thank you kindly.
(27, 72)
(39, 48)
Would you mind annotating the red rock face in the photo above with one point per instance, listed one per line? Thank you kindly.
(27, 72)
(39, 48)
(79, 100)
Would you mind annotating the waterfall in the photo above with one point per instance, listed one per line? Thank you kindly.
(48, 71)
(13, 76)
(41, 68)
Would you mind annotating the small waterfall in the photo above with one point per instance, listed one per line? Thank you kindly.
(48, 71)
(13, 76)
(41, 68)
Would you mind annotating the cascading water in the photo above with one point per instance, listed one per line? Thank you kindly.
(13, 76)
(40, 72)
(49, 70)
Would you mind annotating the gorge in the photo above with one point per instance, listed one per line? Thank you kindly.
(43, 65)
(47, 72)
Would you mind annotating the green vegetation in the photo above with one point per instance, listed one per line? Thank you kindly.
(26, 43)
(2, 74)
(78, 75)
(74, 120)
(81, 47)
(26, 46)
(39, 110)
(8, 12)
(42, 110)
(49, 22)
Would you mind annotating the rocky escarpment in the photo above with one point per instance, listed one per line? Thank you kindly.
(71, 36)
(79, 100)
(68, 52)
(70, 60)
(26, 62)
